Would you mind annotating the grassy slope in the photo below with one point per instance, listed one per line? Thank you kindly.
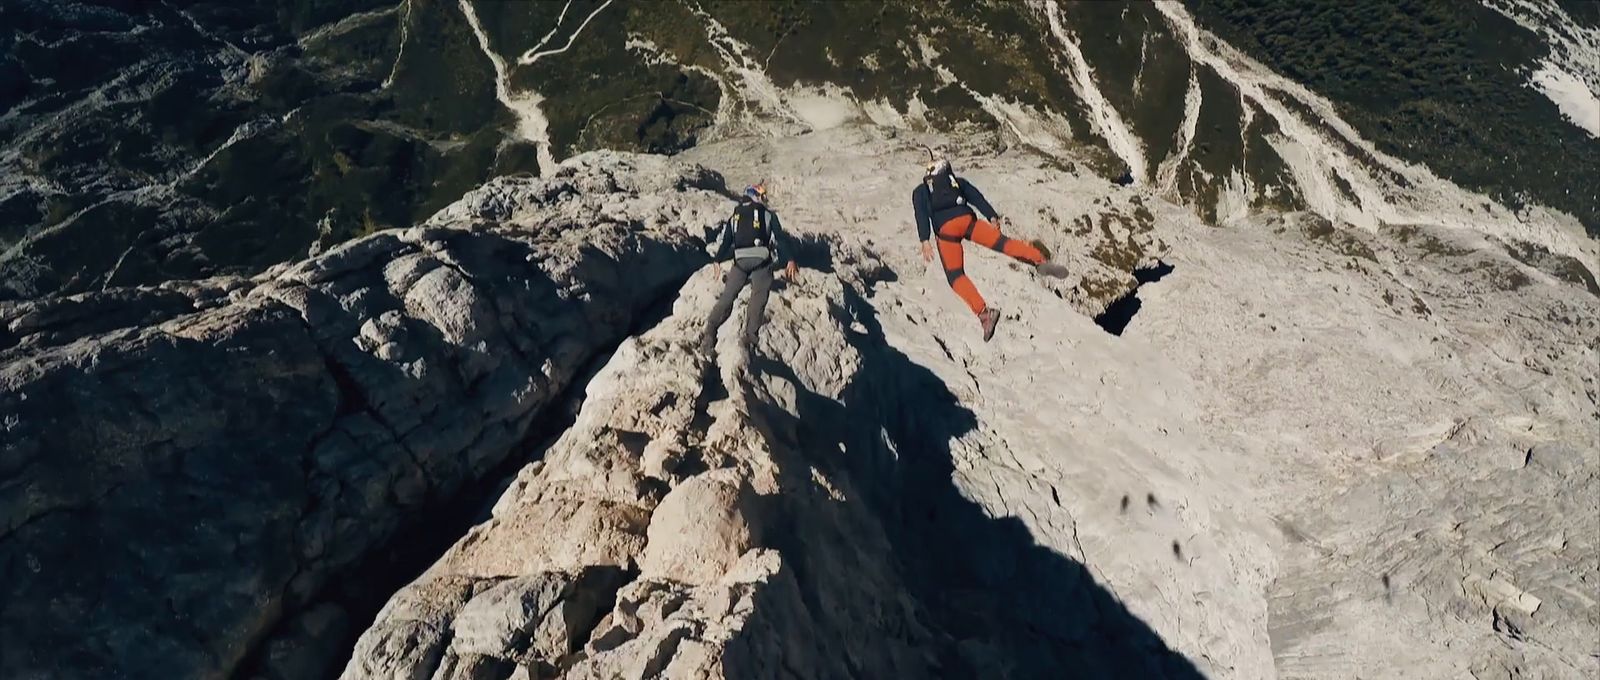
(1440, 82)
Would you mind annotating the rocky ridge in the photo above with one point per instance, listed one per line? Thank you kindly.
(774, 518)
(1306, 428)
(227, 449)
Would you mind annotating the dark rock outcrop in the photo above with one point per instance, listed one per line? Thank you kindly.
(183, 467)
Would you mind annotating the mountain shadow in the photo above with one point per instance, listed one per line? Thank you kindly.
(996, 603)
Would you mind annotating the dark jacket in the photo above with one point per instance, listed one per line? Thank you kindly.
(928, 220)
(776, 238)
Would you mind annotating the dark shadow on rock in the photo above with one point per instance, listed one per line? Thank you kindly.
(1152, 273)
(716, 182)
(996, 603)
(1120, 313)
(463, 492)
(812, 251)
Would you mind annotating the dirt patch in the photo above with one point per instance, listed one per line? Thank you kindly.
(1342, 240)
(1563, 267)
(1424, 241)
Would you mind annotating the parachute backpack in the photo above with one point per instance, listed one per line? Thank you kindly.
(752, 238)
(944, 192)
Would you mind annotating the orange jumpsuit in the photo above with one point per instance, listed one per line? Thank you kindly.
(969, 227)
(956, 221)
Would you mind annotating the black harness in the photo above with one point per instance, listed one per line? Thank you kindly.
(947, 201)
(944, 191)
(752, 235)
(750, 226)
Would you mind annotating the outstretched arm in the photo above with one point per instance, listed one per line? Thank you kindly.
(919, 206)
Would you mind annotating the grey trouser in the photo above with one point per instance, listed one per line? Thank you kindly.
(758, 274)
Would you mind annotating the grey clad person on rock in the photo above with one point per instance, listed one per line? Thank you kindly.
(750, 238)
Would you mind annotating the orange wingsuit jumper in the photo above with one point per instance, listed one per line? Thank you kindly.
(951, 209)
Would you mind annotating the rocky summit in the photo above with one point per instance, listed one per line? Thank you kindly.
(404, 379)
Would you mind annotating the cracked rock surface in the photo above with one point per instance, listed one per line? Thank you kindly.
(1315, 452)
(185, 466)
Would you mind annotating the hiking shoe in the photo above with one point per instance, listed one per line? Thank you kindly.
(1055, 269)
(989, 318)
(1043, 249)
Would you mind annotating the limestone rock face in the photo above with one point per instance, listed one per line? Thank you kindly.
(711, 568)
(183, 467)
(1314, 452)
(700, 529)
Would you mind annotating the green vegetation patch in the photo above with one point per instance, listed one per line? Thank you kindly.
(1502, 275)
(443, 82)
(1343, 241)
(873, 50)
(1124, 253)
(1563, 267)
(1140, 67)
(1218, 146)
(1218, 139)
(1275, 185)
(1440, 82)
(602, 95)
(302, 16)
(1424, 241)
(1103, 291)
